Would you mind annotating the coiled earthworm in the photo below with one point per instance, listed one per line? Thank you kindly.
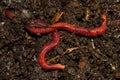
(71, 28)
(37, 28)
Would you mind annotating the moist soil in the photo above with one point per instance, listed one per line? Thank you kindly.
(95, 58)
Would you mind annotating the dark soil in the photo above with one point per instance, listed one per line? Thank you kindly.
(97, 58)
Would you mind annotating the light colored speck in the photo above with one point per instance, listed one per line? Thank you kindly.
(93, 46)
(25, 13)
(71, 71)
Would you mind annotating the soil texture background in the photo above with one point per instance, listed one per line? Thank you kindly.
(95, 58)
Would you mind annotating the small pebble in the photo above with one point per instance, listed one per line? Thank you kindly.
(25, 13)
(71, 71)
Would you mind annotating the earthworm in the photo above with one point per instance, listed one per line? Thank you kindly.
(71, 28)
(39, 27)
(46, 48)
(9, 14)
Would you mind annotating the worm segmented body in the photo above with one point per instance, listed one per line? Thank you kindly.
(56, 37)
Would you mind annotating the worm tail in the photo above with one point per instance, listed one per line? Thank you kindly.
(93, 32)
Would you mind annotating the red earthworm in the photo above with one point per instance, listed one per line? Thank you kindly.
(71, 28)
(56, 37)
(46, 48)
(9, 14)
